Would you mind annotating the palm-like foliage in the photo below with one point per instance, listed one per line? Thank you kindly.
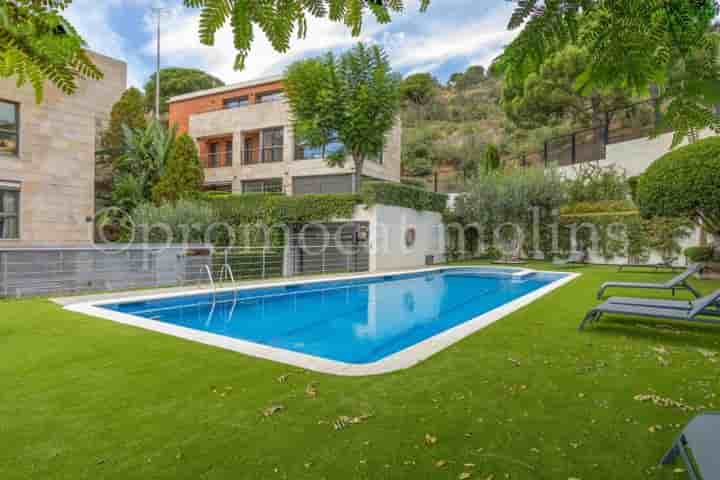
(280, 19)
(38, 44)
(632, 45)
(146, 152)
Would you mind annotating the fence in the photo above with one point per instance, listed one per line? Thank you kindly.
(53, 271)
(589, 145)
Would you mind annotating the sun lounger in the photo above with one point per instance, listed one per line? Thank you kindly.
(668, 263)
(696, 311)
(698, 447)
(677, 283)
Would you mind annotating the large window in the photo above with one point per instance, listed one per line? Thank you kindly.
(306, 152)
(9, 211)
(269, 185)
(272, 140)
(9, 128)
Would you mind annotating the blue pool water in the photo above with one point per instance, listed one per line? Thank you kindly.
(352, 321)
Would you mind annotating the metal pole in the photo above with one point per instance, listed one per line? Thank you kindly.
(574, 149)
(158, 12)
(263, 262)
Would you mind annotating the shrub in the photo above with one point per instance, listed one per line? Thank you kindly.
(684, 183)
(700, 254)
(186, 220)
(593, 183)
(414, 182)
(491, 158)
(387, 193)
(633, 185)
(601, 207)
(183, 176)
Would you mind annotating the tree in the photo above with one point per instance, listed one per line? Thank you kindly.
(183, 176)
(684, 183)
(128, 111)
(146, 152)
(474, 75)
(631, 45)
(491, 158)
(38, 44)
(419, 88)
(353, 99)
(177, 81)
(551, 95)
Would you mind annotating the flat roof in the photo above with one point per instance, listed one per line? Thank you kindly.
(226, 88)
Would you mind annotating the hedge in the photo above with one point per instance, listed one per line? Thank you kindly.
(684, 183)
(600, 208)
(387, 193)
(272, 209)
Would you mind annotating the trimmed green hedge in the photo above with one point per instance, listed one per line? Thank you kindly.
(276, 209)
(387, 193)
(684, 183)
(700, 254)
(602, 207)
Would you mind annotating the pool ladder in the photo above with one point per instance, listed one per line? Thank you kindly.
(225, 273)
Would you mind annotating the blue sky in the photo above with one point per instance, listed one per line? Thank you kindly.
(449, 37)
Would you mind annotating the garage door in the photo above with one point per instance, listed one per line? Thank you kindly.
(322, 184)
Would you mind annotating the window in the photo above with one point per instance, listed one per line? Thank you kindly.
(9, 128)
(272, 141)
(306, 152)
(236, 102)
(228, 153)
(269, 185)
(274, 96)
(9, 208)
(213, 156)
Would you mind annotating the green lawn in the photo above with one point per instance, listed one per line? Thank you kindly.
(527, 398)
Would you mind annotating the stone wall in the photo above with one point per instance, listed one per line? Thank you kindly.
(55, 166)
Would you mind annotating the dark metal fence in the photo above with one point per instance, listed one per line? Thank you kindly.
(589, 145)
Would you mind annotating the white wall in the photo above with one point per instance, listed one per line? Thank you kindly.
(388, 227)
(635, 156)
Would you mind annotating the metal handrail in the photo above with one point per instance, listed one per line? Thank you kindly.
(212, 282)
(228, 270)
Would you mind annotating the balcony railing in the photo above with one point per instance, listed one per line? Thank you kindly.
(217, 159)
(269, 154)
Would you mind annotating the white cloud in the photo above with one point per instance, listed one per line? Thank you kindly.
(452, 32)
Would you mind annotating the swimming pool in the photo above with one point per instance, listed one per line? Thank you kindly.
(361, 325)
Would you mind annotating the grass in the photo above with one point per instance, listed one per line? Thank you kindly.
(527, 398)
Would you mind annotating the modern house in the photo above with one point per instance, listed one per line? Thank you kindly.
(47, 158)
(246, 143)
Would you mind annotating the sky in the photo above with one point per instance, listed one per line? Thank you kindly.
(449, 37)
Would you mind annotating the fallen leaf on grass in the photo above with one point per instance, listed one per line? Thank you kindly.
(430, 439)
(311, 390)
(465, 475)
(344, 421)
(441, 463)
(283, 378)
(272, 410)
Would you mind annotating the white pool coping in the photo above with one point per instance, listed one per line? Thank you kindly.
(401, 360)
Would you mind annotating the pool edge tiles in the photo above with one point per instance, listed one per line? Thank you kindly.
(399, 360)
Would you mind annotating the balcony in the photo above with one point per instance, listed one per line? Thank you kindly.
(217, 159)
(255, 156)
